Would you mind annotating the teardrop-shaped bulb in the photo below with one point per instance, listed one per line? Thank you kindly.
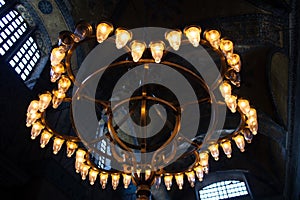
(123, 36)
(193, 35)
(157, 50)
(103, 31)
(174, 39)
(137, 50)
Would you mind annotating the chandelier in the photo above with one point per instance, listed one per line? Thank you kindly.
(97, 153)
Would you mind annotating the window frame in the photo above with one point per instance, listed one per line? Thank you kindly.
(18, 44)
(214, 177)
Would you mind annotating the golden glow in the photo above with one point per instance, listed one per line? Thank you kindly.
(84, 170)
(213, 37)
(57, 143)
(225, 89)
(63, 84)
(57, 55)
(115, 180)
(174, 39)
(137, 50)
(80, 153)
(78, 163)
(252, 125)
(157, 50)
(244, 106)
(203, 159)
(31, 118)
(36, 129)
(193, 34)
(252, 113)
(214, 150)
(226, 145)
(126, 180)
(227, 47)
(231, 103)
(122, 37)
(56, 72)
(33, 107)
(235, 62)
(199, 172)
(147, 174)
(44, 101)
(191, 177)
(62, 73)
(57, 98)
(168, 181)
(45, 137)
(179, 180)
(103, 31)
(93, 176)
(71, 147)
(103, 179)
(240, 142)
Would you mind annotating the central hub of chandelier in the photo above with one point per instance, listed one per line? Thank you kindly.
(140, 131)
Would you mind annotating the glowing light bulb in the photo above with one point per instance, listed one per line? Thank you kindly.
(213, 37)
(57, 98)
(93, 176)
(174, 39)
(214, 150)
(226, 145)
(122, 37)
(57, 143)
(193, 35)
(31, 118)
(235, 62)
(137, 50)
(240, 142)
(57, 55)
(157, 50)
(36, 129)
(71, 147)
(227, 47)
(168, 181)
(225, 89)
(199, 172)
(103, 179)
(45, 137)
(179, 180)
(84, 170)
(56, 72)
(33, 107)
(44, 101)
(191, 177)
(231, 103)
(78, 163)
(126, 180)
(203, 159)
(244, 106)
(147, 174)
(80, 153)
(63, 84)
(103, 30)
(115, 180)
(252, 125)
(252, 113)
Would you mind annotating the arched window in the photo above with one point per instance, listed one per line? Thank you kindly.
(223, 190)
(17, 46)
